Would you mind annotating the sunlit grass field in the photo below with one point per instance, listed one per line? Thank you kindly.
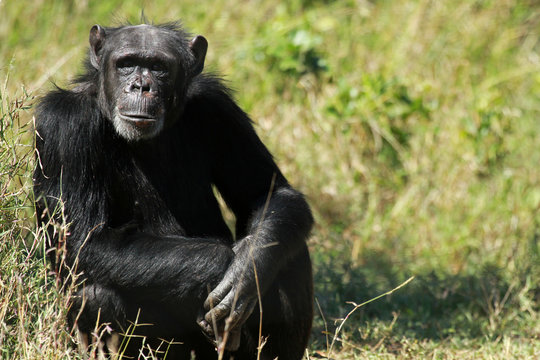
(413, 128)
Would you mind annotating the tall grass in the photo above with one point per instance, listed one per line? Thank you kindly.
(31, 309)
(412, 126)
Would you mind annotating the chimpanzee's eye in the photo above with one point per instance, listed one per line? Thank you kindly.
(159, 66)
(125, 64)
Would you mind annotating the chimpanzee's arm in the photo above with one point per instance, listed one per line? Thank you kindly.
(273, 219)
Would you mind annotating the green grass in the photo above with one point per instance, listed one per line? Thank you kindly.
(412, 127)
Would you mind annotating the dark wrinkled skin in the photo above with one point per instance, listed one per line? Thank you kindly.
(134, 151)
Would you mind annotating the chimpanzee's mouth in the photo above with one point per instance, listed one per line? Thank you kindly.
(139, 120)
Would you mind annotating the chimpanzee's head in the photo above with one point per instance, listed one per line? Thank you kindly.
(144, 72)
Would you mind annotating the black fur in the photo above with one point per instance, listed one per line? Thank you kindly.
(145, 229)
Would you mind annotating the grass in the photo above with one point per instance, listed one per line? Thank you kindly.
(411, 126)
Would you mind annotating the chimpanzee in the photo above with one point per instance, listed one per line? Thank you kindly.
(130, 159)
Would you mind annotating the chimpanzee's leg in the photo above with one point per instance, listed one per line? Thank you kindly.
(287, 315)
(151, 318)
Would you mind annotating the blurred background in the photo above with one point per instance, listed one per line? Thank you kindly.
(411, 126)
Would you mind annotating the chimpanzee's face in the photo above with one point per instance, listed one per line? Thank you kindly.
(143, 78)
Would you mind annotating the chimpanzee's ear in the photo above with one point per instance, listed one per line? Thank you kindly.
(198, 46)
(97, 38)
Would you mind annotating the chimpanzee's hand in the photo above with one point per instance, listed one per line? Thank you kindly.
(231, 303)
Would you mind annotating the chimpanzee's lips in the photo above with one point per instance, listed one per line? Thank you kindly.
(139, 120)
